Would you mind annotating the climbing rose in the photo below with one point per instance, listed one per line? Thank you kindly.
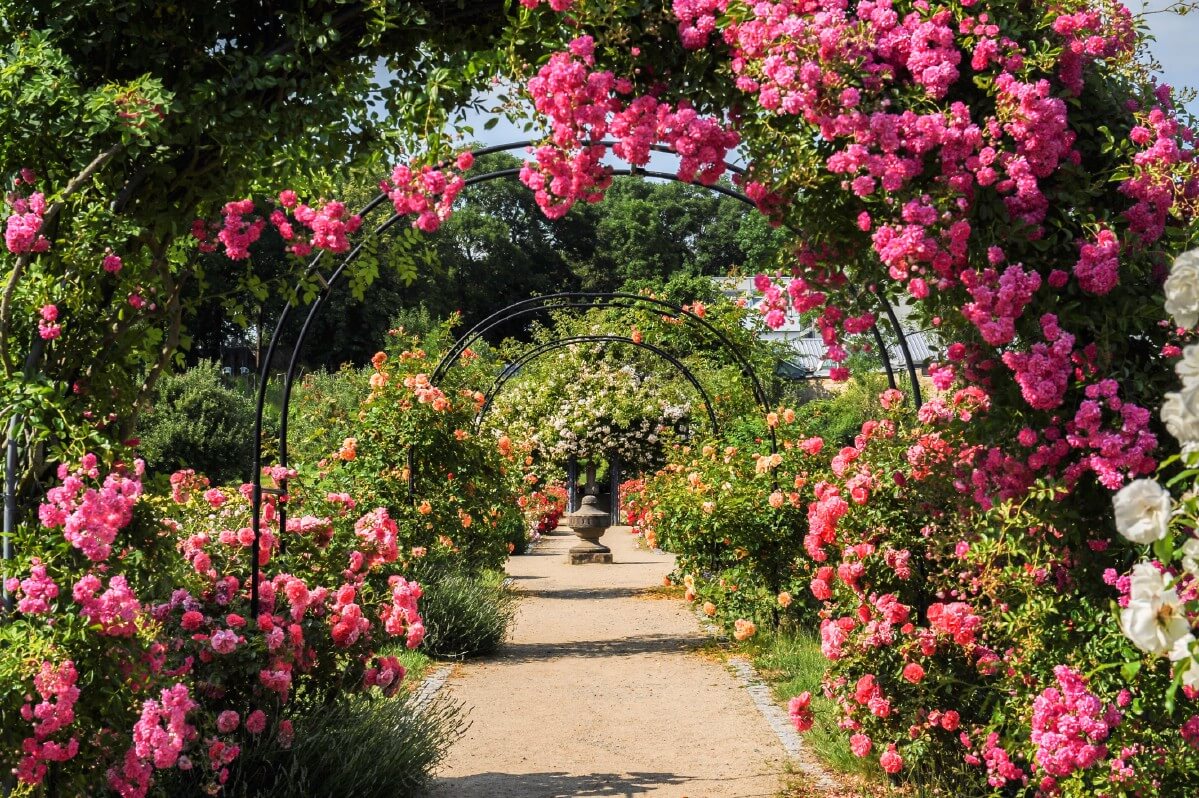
(800, 711)
(860, 745)
(743, 629)
(256, 722)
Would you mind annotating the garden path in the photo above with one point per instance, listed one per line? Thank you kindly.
(600, 692)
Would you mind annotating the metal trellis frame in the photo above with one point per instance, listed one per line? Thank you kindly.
(330, 281)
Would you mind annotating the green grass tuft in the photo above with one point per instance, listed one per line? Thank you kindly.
(793, 664)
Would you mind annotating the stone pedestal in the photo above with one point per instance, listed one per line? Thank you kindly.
(589, 524)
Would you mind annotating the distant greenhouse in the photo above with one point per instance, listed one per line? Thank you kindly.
(808, 360)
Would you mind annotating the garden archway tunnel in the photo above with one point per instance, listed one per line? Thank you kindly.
(329, 284)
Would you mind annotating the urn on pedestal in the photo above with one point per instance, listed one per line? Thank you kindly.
(589, 523)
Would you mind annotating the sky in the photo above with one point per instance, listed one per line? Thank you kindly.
(1176, 48)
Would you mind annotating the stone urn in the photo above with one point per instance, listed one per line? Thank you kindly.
(589, 523)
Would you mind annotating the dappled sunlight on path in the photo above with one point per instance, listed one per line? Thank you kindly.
(601, 692)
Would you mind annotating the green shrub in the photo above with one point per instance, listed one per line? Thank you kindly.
(466, 616)
(324, 412)
(197, 422)
(365, 745)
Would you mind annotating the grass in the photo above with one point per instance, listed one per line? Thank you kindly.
(416, 662)
(792, 663)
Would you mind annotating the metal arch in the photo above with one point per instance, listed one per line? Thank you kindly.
(562, 343)
(902, 338)
(587, 300)
(331, 282)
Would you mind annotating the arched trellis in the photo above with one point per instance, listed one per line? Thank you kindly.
(329, 283)
(562, 343)
(587, 300)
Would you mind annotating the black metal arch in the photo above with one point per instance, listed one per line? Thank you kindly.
(603, 300)
(563, 343)
(329, 283)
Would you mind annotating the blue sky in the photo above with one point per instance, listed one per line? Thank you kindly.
(1176, 48)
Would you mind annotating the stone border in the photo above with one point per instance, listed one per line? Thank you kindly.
(431, 684)
(759, 691)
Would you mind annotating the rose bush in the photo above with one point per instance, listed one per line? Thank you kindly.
(457, 509)
(132, 659)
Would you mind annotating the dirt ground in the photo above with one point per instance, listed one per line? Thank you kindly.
(600, 692)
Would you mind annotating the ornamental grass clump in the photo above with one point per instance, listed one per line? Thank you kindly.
(371, 745)
(467, 616)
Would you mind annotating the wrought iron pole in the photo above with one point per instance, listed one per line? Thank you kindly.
(10, 504)
(572, 484)
(614, 489)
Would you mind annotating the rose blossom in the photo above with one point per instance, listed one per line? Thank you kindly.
(1154, 619)
(1180, 414)
(1142, 511)
(1182, 290)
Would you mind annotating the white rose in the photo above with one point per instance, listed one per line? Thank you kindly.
(1190, 676)
(1190, 556)
(1180, 414)
(1182, 290)
(1142, 511)
(1188, 367)
(1153, 620)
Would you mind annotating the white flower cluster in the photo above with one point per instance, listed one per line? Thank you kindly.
(587, 410)
(1156, 618)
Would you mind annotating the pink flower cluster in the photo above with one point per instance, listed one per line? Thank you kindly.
(387, 673)
(328, 225)
(1043, 372)
(697, 20)
(583, 105)
(1116, 451)
(47, 328)
(1165, 174)
(955, 620)
(22, 231)
(427, 192)
(346, 618)
(55, 712)
(159, 738)
(556, 5)
(184, 483)
(89, 517)
(799, 709)
(378, 532)
(1088, 36)
(823, 515)
(999, 300)
(1098, 266)
(36, 591)
(1069, 725)
(115, 611)
(402, 616)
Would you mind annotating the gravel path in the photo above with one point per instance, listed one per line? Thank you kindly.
(599, 692)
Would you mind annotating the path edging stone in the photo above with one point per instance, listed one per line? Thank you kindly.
(761, 695)
(431, 684)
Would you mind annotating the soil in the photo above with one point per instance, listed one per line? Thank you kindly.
(602, 691)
